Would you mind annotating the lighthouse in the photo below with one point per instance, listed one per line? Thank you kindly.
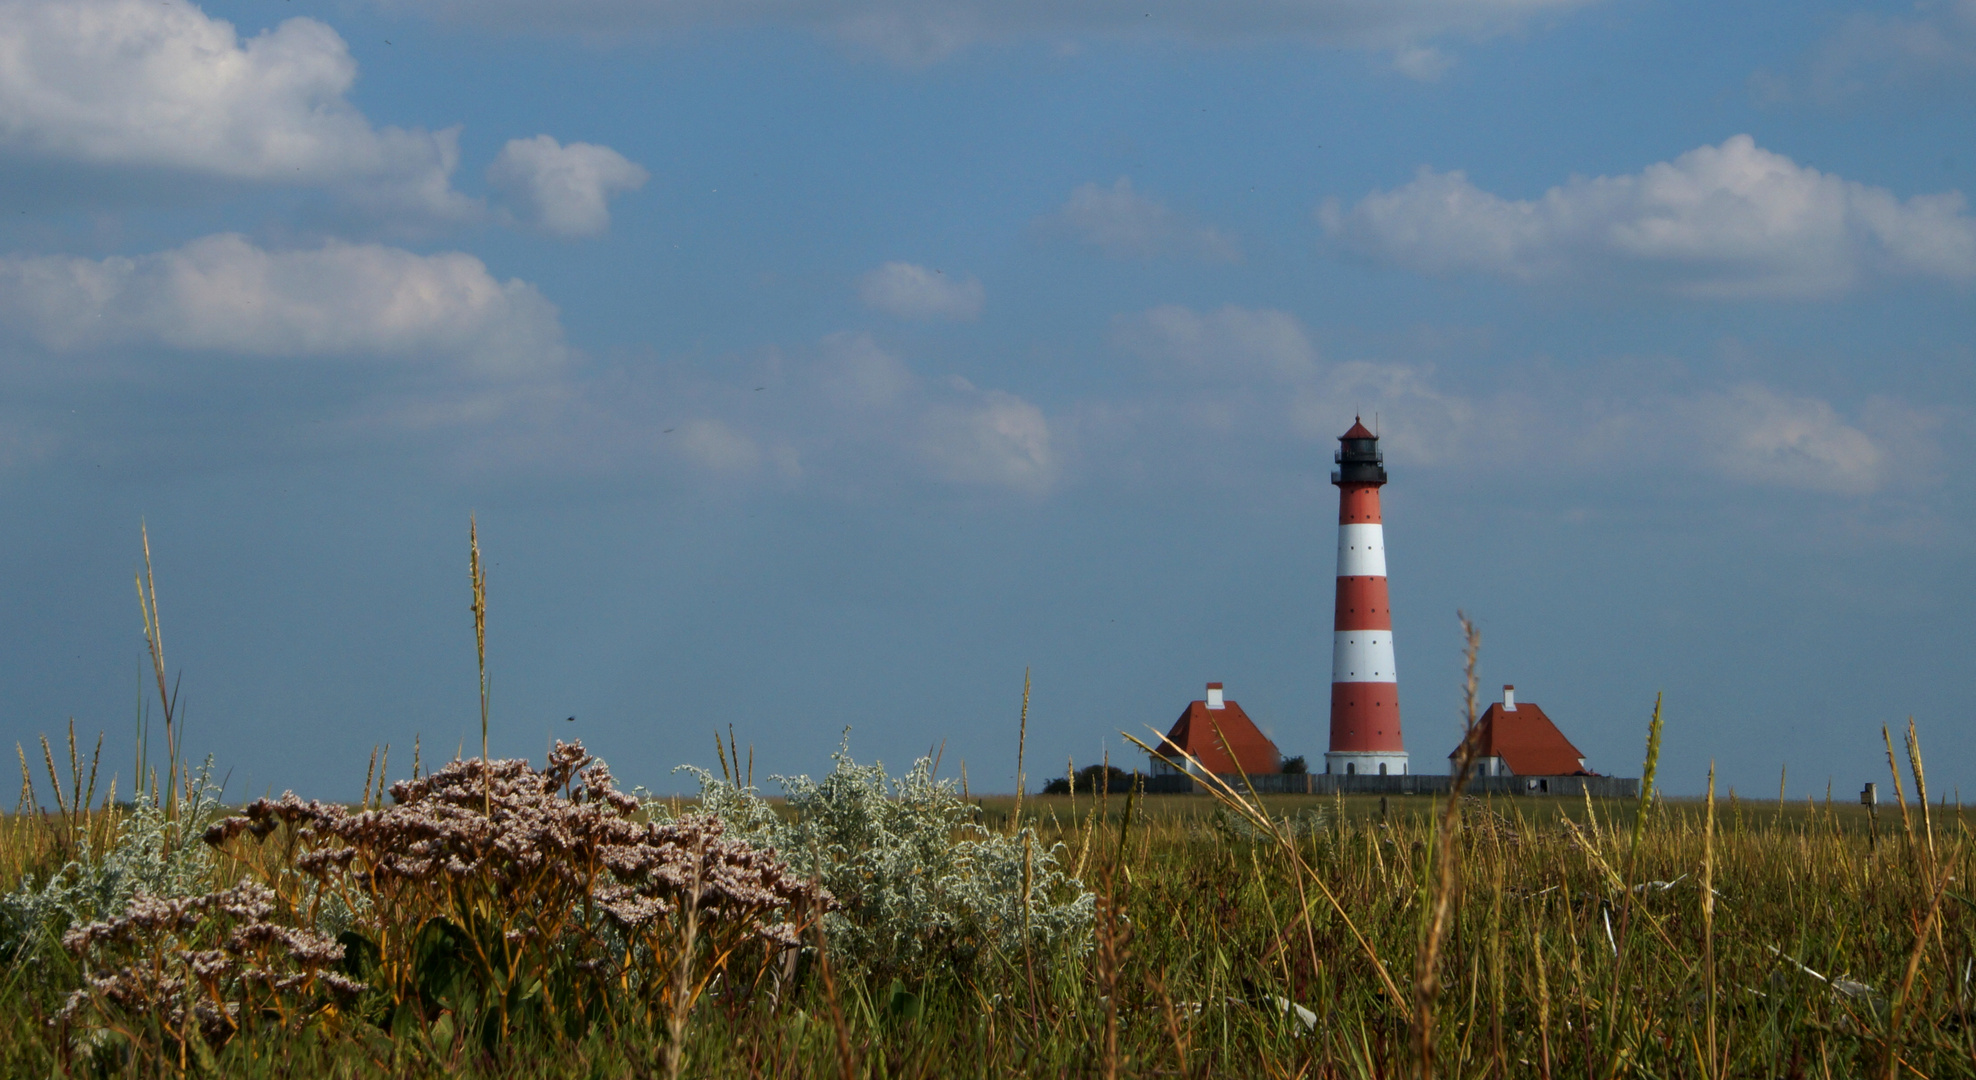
(1365, 700)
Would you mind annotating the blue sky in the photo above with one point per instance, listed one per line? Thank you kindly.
(826, 363)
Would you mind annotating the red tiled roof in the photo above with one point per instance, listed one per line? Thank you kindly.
(1240, 747)
(1527, 742)
(1358, 431)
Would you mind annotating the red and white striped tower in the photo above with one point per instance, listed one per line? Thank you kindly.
(1365, 699)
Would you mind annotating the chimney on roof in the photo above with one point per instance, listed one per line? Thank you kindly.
(1509, 698)
(1214, 696)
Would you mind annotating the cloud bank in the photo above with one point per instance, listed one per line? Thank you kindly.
(1728, 221)
(222, 294)
(1255, 372)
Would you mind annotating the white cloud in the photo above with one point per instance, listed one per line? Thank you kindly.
(990, 438)
(1933, 45)
(1421, 62)
(1758, 435)
(134, 84)
(221, 294)
(1228, 341)
(1252, 376)
(22, 445)
(922, 31)
(1258, 371)
(1749, 434)
(856, 374)
(563, 190)
(852, 417)
(1720, 221)
(951, 430)
(1127, 225)
(1418, 421)
(1745, 434)
(915, 292)
(715, 446)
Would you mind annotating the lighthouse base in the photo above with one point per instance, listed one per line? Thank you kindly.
(1365, 763)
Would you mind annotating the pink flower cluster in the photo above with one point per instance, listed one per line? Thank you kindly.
(531, 856)
(202, 964)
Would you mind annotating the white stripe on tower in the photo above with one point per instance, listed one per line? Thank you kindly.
(1362, 550)
(1362, 656)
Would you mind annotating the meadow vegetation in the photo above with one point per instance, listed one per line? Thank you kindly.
(500, 918)
(510, 920)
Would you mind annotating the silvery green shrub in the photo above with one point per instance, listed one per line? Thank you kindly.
(151, 854)
(925, 888)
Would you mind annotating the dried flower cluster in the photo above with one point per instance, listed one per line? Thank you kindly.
(554, 898)
(203, 966)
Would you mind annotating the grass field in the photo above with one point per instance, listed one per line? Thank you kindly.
(494, 918)
(1290, 938)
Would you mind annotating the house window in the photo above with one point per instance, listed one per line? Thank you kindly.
(1382, 768)
(1351, 768)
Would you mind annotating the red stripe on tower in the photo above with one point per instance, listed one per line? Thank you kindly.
(1365, 700)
